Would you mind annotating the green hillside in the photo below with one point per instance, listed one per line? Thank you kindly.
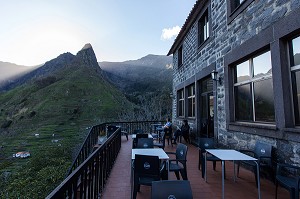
(49, 117)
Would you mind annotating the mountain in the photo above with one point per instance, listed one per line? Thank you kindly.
(49, 115)
(147, 74)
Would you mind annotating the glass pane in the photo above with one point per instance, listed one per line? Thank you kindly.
(296, 51)
(180, 108)
(243, 103)
(191, 90)
(207, 85)
(191, 107)
(264, 101)
(262, 65)
(211, 105)
(242, 72)
(204, 106)
(296, 93)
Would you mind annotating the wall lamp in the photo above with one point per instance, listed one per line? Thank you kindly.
(216, 77)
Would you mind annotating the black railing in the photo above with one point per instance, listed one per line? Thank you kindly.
(90, 169)
(89, 178)
(88, 146)
(92, 138)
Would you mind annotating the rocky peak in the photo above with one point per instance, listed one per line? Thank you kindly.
(87, 56)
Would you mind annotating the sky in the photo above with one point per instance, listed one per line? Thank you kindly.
(35, 31)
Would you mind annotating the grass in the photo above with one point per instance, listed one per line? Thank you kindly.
(64, 108)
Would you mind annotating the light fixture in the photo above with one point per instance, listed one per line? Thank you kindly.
(215, 77)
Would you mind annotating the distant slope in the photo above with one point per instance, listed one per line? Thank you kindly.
(10, 71)
(147, 74)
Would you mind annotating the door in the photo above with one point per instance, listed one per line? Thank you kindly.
(207, 108)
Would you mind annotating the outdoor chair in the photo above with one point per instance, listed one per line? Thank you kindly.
(169, 135)
(179, 189)
(161, 144)
(206, 143)
(145, 143)
(138, 136)
(288, 176)
(146, 169)
(263, 153)
(179, 164)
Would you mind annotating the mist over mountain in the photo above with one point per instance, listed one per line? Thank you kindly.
(10, 71)
(147, 74)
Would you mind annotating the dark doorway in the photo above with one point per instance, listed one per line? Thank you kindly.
(207, 108)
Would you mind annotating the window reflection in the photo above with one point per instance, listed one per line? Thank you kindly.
(243, 103)
(242, 72)
(253, 89)
(262, 65)
(296, 51)
(264, 101)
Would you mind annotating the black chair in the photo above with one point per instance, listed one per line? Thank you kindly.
(168, 135)
(146, 169)
(138, 136)
(179, 189)
(161, 144)
(288, 176)
(179, 164)
(145, 143)
(206, 143)
(263, 153)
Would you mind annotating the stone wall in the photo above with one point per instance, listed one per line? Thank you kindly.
(224, 37)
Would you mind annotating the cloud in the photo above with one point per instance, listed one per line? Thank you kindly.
(169, 33)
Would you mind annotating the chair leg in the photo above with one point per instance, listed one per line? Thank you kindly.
(255, 173)
(202, 167)
(276, 189)
(238, 169)
(177, 175)
(183, 173)
(199, 162)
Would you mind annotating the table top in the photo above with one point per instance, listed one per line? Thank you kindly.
(133, 136)
(153, 151)
(229, 154)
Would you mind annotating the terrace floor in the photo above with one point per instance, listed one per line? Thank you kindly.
(118, 185)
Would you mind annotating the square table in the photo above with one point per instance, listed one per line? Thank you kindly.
(149, 151)
(233, 155)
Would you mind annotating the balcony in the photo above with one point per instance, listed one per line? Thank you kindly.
(104, 172)
(118, 185)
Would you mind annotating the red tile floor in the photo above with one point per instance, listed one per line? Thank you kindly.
(119, 185)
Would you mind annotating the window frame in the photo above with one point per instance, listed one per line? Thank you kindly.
(251, 82)
(203, 28)
(293, 69)
(180, 103)
(191, 96)
(233, 12)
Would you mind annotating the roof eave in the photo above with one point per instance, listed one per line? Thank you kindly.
(186, 26)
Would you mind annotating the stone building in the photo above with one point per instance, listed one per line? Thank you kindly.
(253, 49)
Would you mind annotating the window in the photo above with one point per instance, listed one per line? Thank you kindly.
(191, 101)
(203, 28)
(236, 3)
(253, 90)
(294, 46)
(180, 106)
(235, 7)
(180, 57)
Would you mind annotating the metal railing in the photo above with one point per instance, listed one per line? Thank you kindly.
(91, 168)
(89, 178)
